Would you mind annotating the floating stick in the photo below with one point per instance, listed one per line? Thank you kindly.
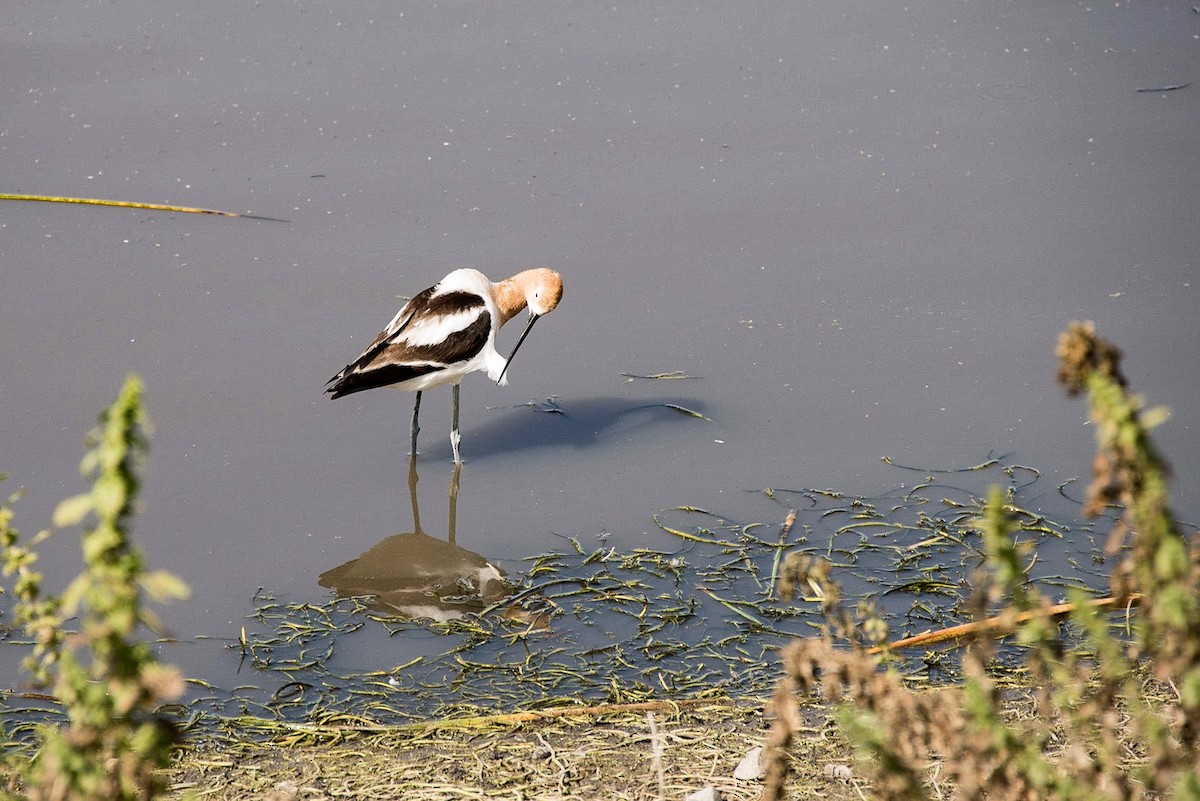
(1001, 625)
(130, 204)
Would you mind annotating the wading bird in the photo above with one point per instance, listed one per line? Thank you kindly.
(447, 331)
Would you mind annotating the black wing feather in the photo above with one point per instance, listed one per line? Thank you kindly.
(390, 360)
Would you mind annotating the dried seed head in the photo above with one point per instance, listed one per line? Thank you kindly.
(1080, 351)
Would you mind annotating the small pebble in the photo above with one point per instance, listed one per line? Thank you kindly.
(284, 791)
(751, 766)
(842, 772)
(706, 794)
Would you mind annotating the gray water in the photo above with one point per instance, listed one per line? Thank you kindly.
(858, 227)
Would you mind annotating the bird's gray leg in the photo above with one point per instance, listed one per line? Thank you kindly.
(455, 438)
(453, 502)
(415, 427)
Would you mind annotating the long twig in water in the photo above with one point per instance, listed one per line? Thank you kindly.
(132, 204)
(1000, 625)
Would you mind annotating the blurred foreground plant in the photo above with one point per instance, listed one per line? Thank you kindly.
(1095, 736)
(108, 683)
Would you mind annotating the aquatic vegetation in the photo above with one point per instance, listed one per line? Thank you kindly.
(588, 624)
(113, 741)
(1094, 734)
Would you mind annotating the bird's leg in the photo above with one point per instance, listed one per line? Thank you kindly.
(415, 427)
(455, 438)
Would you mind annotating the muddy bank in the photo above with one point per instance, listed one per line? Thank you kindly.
(612, 756)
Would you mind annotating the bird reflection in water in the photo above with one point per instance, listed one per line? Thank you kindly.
(416, 576)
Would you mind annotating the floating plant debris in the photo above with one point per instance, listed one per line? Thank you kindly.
(675, 407)
(132, 204)
(674, 375)
(690, 613)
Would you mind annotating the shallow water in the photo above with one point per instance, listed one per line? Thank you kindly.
(858, 229)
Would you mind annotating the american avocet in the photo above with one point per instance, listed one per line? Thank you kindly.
(447, 331)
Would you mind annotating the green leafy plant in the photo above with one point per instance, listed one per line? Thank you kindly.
(108, 682)
(1096, 735)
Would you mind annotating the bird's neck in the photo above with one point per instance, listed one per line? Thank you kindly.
(510, 300)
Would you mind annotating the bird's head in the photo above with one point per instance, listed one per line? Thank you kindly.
(543, 289)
